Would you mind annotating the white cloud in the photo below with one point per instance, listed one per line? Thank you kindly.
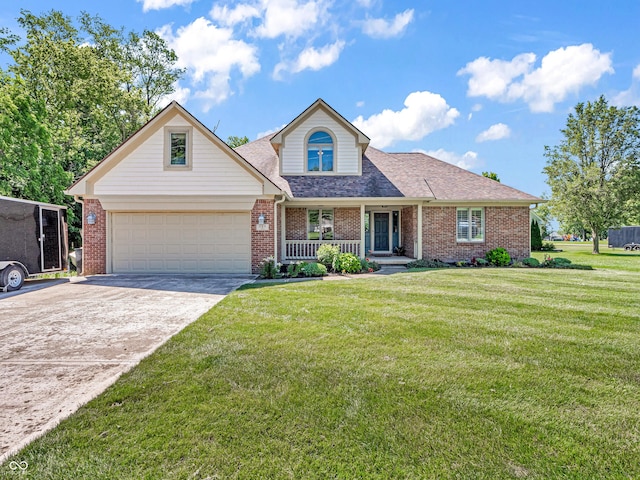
(311, 59)
(210, 54)
(631, 96)
(494, 132)
(381, 28)
(232, 16)
(636, 72)
(269, 132)
(160, 4)
(180, 95)
(561, 72)
(424, 113)
(365, 3)
(360, 103)
(288, 17)
(467, 161)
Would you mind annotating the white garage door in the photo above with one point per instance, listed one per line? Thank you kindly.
(181, 242)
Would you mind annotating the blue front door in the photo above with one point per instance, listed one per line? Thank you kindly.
(381, 232)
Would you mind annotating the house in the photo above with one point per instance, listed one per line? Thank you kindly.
(174, 198)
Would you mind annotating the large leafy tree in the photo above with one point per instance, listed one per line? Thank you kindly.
(593, 172)
(82, 88)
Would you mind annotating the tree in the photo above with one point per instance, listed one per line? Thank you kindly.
(593, 172)
(491, 175)
(536, 237)
(234, 141)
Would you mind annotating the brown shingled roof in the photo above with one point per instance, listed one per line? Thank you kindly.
(386, 175)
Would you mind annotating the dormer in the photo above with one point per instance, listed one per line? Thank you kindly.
(320, 141)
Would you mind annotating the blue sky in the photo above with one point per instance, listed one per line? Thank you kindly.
(482, 84)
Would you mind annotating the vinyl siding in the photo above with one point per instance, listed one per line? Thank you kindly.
(213, 171)
(347, 156)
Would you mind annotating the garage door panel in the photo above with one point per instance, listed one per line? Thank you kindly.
(181, 243)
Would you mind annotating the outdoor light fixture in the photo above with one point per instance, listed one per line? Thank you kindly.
(91, 218)
(261, 219)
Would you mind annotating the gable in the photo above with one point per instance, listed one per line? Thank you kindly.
(140, 165)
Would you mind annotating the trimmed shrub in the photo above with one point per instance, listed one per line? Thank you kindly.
(536, 237)
(295, 269)
(498, 257)
(368, 266)
(424, 263)
(347, 263)
(314, 270)
(327, 254)
(531, 262)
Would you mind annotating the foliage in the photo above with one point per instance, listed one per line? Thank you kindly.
(479, 262)
(530, 262)
(491, 175)
(498, 257)
(295, 269)
(367, 265)
(270, 268)
(547, 247)
(314, 269)
(327, 254)
(425, 263)
(347, 263)
(400, 250)
(81, 88)
(234, 141)
(544, 216)
(536, 237)
(593, 172)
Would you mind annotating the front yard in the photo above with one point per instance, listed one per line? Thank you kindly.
(455, 373)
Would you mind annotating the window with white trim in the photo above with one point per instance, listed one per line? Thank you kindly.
(320, 152)
(177, 148)
(470, 224)
(319, 224)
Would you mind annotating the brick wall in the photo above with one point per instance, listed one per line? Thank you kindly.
(346, 223)
(409, 227)
(506, 227)
(262, 244)
(296, 223)
(94, 239)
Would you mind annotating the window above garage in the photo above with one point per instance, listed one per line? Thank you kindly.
(178, 148)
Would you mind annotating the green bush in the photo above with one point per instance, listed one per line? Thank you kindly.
(424, 263)
(347, 263)
(314, 270)
(531, 262)
(536, 237)
(480, 262)
(269, 268)
(498, 257)
(368, 266)
(548, 247)
(327, 254)
(295, 269)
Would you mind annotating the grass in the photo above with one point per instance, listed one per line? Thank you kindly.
(456, 373)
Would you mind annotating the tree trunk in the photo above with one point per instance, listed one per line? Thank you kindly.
(596, 241)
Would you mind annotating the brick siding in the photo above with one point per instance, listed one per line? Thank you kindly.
(346, 223)
(262, 241)
(506, 227)
(409, 228)
(94, 239)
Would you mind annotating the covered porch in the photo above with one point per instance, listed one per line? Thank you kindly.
(385, 233)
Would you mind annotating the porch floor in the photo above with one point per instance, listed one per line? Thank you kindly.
(391, 260)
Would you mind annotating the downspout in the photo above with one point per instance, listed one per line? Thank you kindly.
(275, 227)
(77, 199)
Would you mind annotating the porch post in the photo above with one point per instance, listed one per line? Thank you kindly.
(363, 254)
(419, 232)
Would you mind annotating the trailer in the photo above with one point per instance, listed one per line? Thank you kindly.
(33, 240)
(624, 237)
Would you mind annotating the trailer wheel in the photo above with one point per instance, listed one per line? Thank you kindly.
(12, 277)
(637, 247)
(628, 247)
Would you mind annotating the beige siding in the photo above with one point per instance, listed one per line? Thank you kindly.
(213, 171)
(293, 151)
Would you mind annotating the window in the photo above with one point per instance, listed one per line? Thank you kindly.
(470, 225)
(177, 148)
(319, 224)
(320, 152)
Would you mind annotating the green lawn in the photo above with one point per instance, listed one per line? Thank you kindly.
(455, 373)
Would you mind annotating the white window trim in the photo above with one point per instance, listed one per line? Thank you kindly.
(167, 148)
(333, 223)
(469, 229)
(306, 152)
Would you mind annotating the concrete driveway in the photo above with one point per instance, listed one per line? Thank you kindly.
(63, 343)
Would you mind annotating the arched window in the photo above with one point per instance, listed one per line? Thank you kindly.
(320, 152)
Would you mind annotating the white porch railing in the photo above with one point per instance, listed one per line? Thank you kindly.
(307, 249)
